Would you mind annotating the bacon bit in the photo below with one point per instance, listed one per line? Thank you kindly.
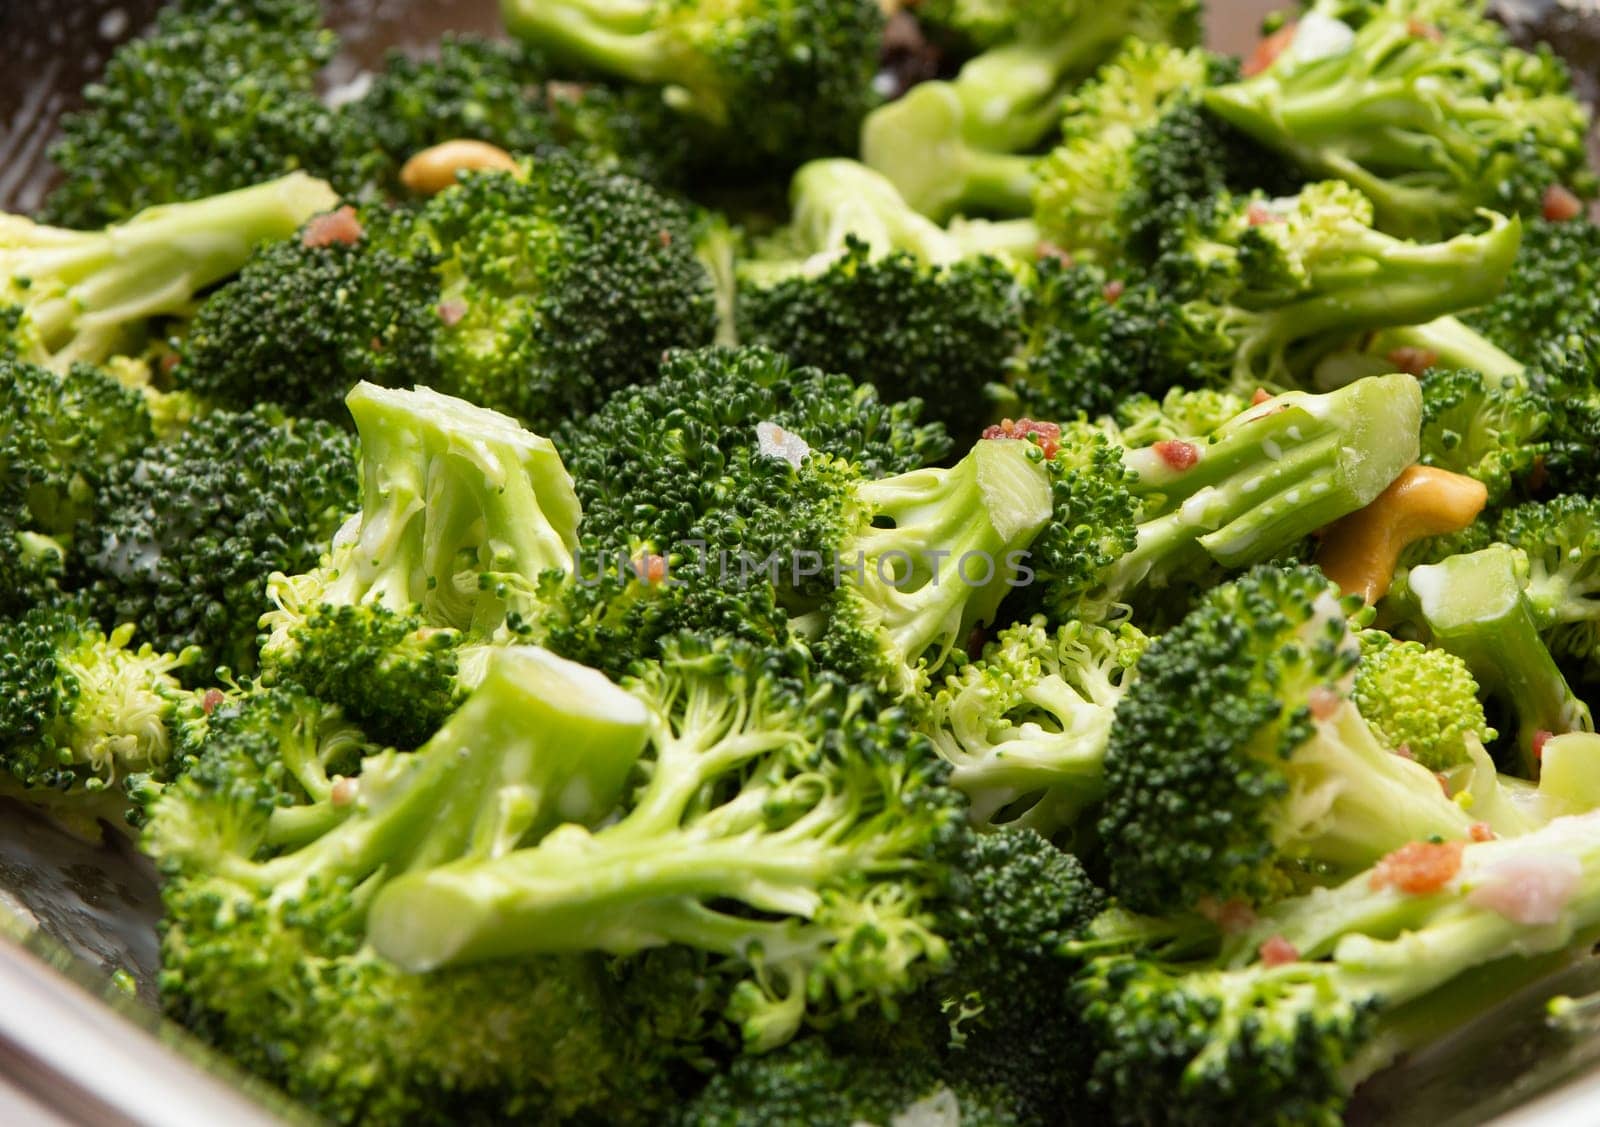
(1047, 249)
(1560, 205)
(1444, 783)
(209, 702)
(340, 226)
(1178, 455)
(167, 363)
(1540, 738)
(1261, 396)
(1259, 214)
(664, 237)
(565, 91)
(1411, 360)
(376, 343)
(1268, 50)
(1538, 475)
(1404, 752)
(451, 312)
(650, 567)
(1324, 702)
(1048, 434)
(1418, 868)
(1278, 951)
(344, 791)
(1234, 917)
(975, 642)
(1113, 289)
(1480, 831)
(1421, 30)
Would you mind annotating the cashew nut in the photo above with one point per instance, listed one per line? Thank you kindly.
(434, 169)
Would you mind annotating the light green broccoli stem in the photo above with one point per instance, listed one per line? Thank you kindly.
(84, 292)
(1270, 477)
(624, 38)
(542, 741)
(461, 510)
(939, 549)
(1475, 606)
(1451, 344)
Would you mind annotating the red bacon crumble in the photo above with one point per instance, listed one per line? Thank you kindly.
(1261, 396)
(1559, 205)
(1048, 434)
(209, 702)
(1540, 738)
(339, 226)
(1179, 455)
(1047, 249)
(1234, 917)
(1444, 783)
(451, 312)
(1411, 360)
(650, 567)
(1421, 30)
(1268, 50)
(1324, 702)
(1259, 214)
(1278, 951)
(1113, 289)
(664, 237)
(1419, 868)
(1480, 831)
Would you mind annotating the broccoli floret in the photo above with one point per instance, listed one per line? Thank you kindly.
(215, 97)
(508, 95)
(1551, 294)
(1420, 700)
(1561, 539)
(461, 513)
(1327, 988)
(684, 472)
(1025, 726)
(965, 144)
(783, 80)
(287, 826)
(1143, 421)
(860, 284)
(1421, 104)
(309, 318)
(1475, 607)
(559, 285)
(1237, 766)
(189, 531)
(82, 710)
(1487, 427)
(1079, 202)
(87, 295)
(767, 790)
(1255, 487)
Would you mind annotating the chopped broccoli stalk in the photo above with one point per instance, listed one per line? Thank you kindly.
(927, 556)
(796, 800)
(82, 710)
(1420, 700)
(1025, 726)
(274, 844)
(1237, 766)
(964, 145)
(1421, 104)
(1561, 539)
(86, 295)
(1475, 607)
(776, 79)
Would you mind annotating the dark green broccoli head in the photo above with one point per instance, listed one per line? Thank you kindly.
(935, 333)
(509, 95)
(309, 318)
(1561, 538)
(1488, 428)
(1553, 293)
(785, 80)
(559, 285)
(189, 531)
(1236, 766)
(216, 96)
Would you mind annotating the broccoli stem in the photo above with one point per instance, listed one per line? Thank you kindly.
(542, 741)
(1271, 476)
(83, 290)
(1476, 608)
(1452, 344)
